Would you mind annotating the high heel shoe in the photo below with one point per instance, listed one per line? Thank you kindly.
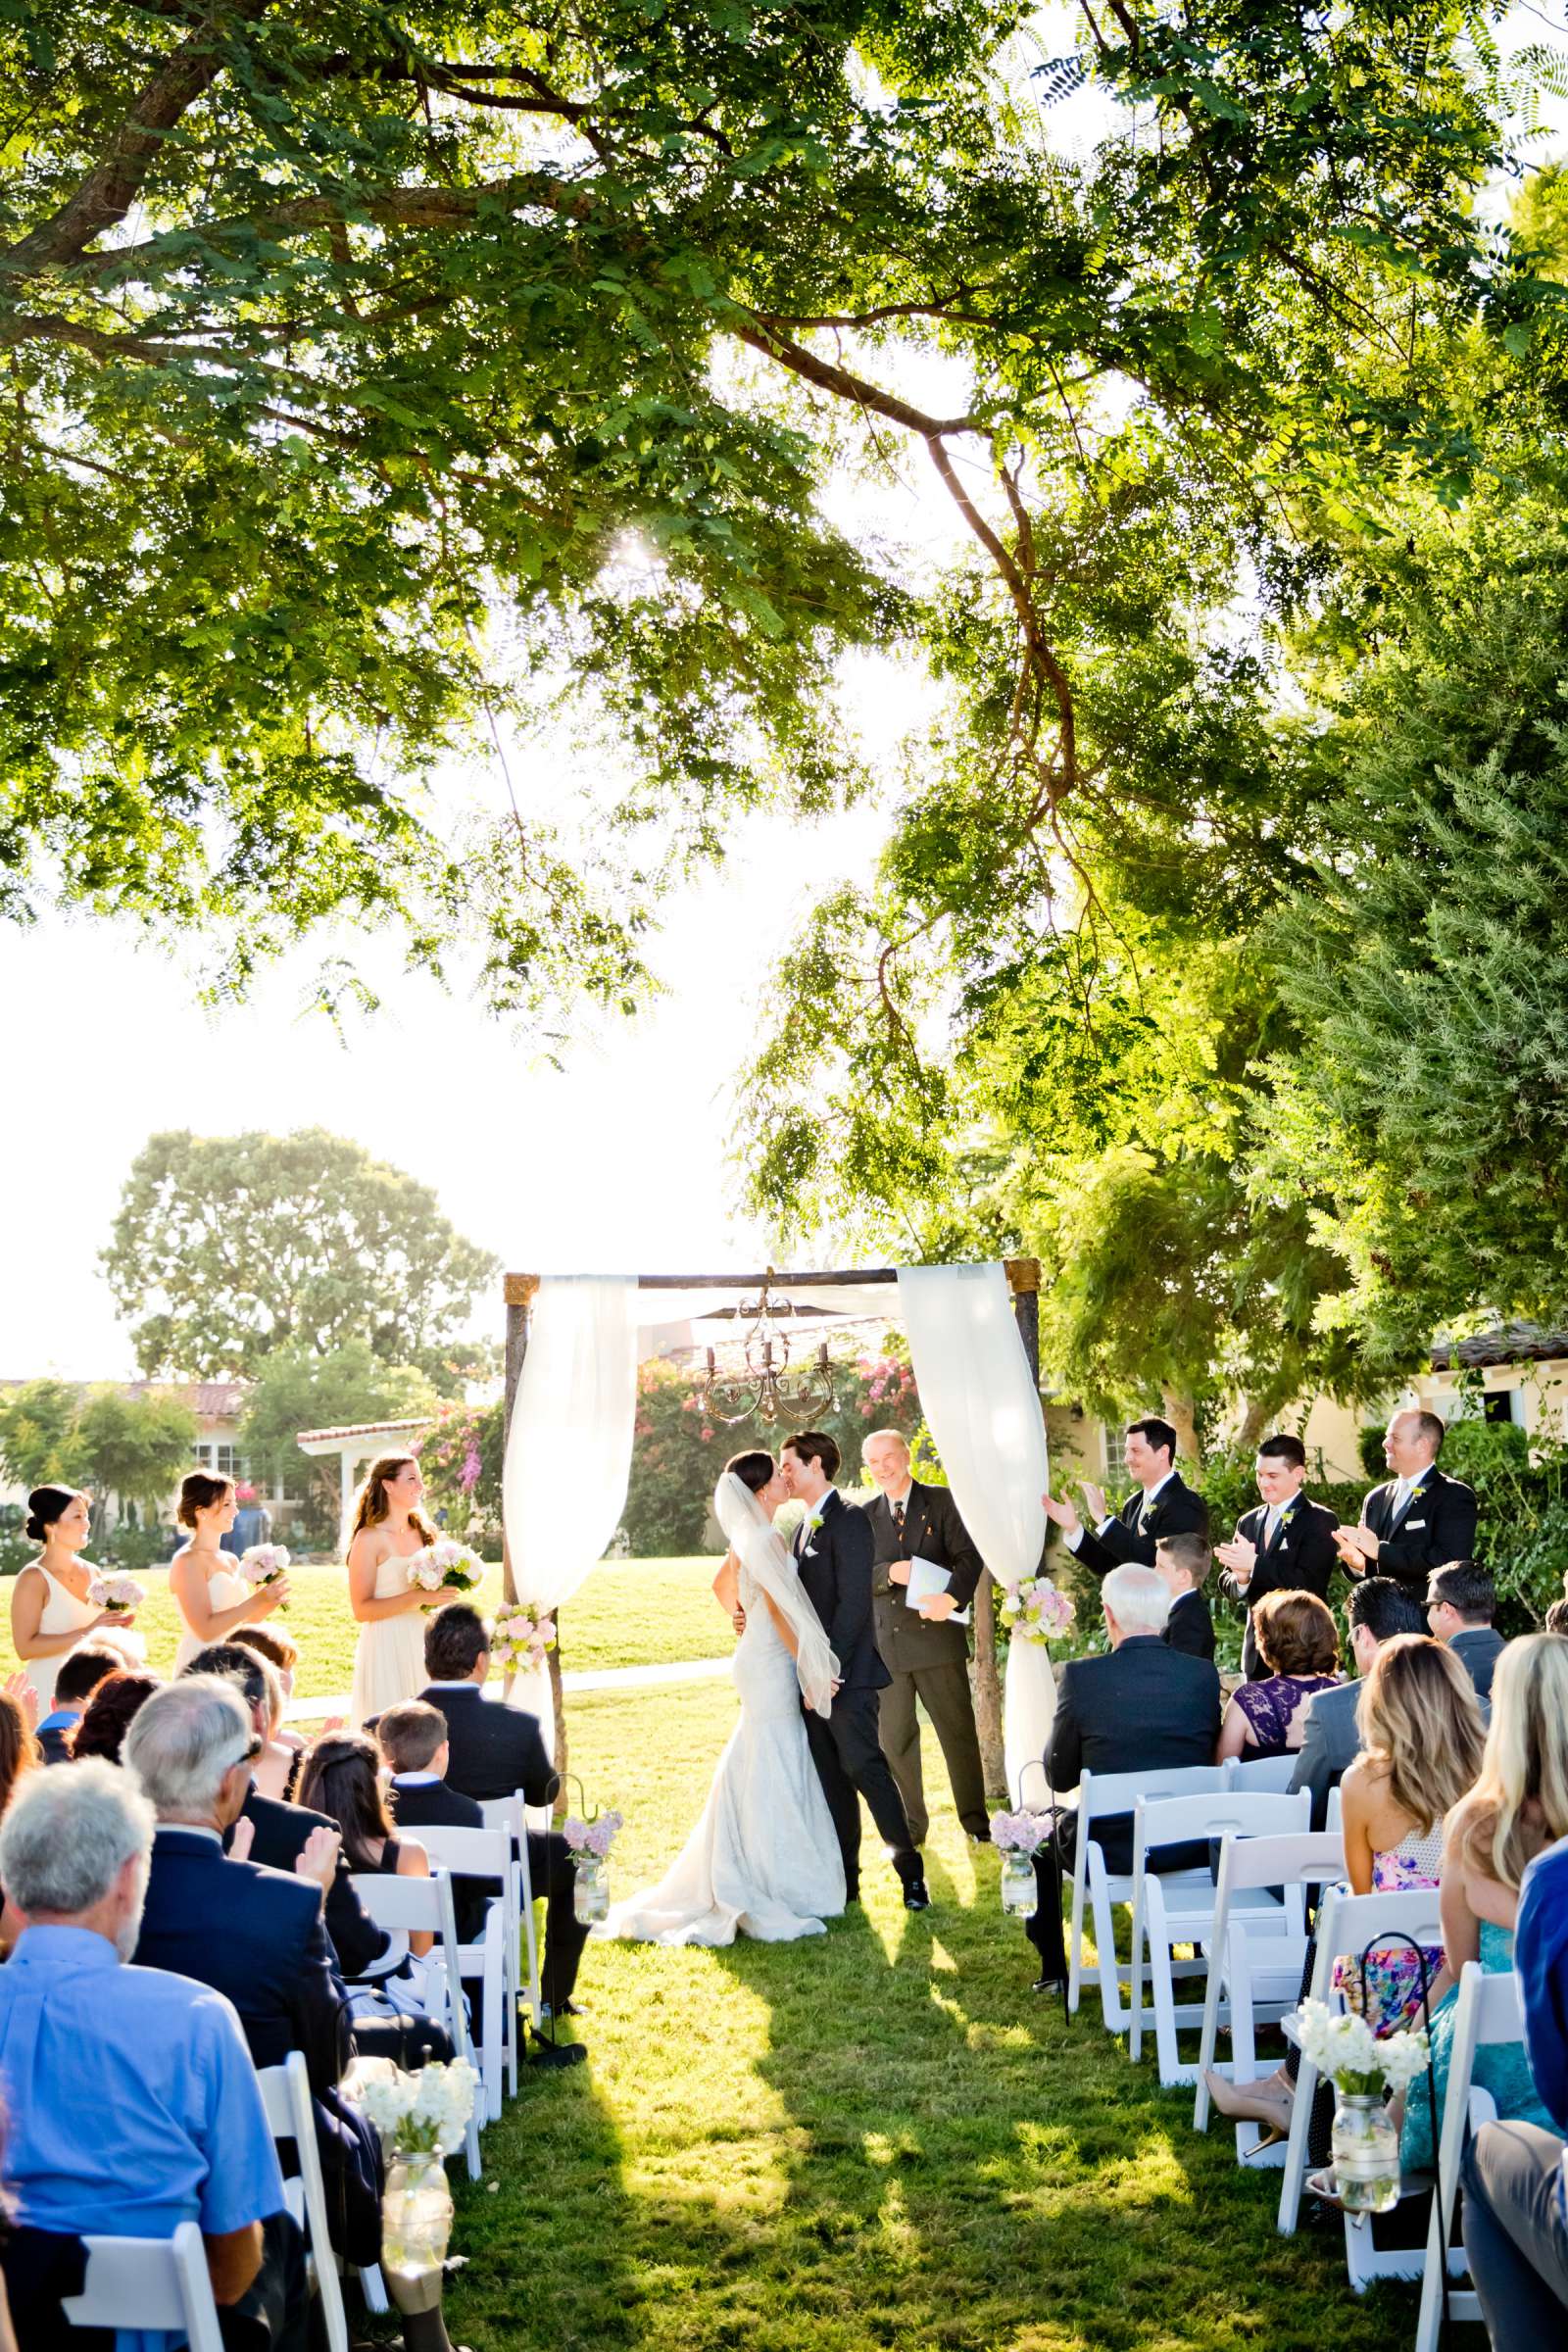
(1267, 2102)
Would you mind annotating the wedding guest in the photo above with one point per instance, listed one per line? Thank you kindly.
(923, 1651)
(130, 2097)
(1462, 1602)
(341, 1783)
(1556, 1620)
(1299, 1653)
(1161, 1503)
(1516, 2175)
(1284, 1544)
(211, 1595)
(109, 1714)
(492, 1752)
(1517, 1809)
(388, 1530)
(1182, 1563)
(19, 1751)
(80, 1675)
(50, 1599)
(1419, 1518)
(1376, 1609)
(413, 1741)
(1141, 1707)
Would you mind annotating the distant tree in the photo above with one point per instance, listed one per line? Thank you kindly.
(229, 1249)
(37, 1432)
(100, 1439)
(295, 1390)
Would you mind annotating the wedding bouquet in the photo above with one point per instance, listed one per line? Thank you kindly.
(263, 1563)
(427, 2113)
(446, 1566)
(1021, 1833)
(520, 1636)
(1034, 1610)
(1343, 2046)
(120, 1595)
(596, 1836)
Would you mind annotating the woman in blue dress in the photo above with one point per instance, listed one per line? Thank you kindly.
(1517, 1809)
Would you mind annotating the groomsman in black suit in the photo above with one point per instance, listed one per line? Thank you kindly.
(1419, 1520)
(1286, 1544)
(926, 1655)
(833, 1549)
(1181, 1563)
(1160, 1503)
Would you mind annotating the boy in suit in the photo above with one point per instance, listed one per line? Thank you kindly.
(1181, 1563)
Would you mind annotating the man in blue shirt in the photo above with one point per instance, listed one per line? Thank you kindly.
(130, 2097)
(1516, 2195)
(80, 1673)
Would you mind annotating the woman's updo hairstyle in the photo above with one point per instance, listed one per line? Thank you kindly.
(46, 1505)
(754, 1469)
(198, 1490)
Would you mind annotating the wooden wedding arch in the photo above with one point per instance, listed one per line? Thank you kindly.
(1024, 1283)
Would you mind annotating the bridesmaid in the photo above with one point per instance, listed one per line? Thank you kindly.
(211, 1595)
(389, 1528)
(50, 1608)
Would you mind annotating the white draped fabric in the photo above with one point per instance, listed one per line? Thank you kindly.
(979, 1399)
(568, 1450)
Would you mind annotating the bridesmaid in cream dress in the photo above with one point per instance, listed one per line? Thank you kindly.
(389, 1528)
(212, 1596)
(51, 1613)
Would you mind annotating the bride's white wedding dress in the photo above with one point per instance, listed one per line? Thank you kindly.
(763, 1860)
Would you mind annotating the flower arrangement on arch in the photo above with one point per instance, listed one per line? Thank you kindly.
(263, 1563)
(119, 1594)
(1036, 1611)
(521, 1637)
(1343, 2046)
(445, 1566)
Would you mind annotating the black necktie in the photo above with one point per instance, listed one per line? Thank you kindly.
(897, 1517)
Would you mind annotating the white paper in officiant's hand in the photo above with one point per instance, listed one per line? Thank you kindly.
(926, 1580)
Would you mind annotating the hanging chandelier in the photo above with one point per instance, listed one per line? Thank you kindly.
(767, 1388)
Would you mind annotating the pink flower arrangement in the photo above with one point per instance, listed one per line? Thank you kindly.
(121, 1594)
(263, 1563)
(521, 1637)
(446, 1566)
(1021, 1833)
(1034, 1610)
(595, 1836)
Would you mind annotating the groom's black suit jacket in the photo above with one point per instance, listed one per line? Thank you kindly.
(835, 1566)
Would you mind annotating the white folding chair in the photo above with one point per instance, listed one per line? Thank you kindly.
(487, 1854)
(424, 1906)
(1099, 1795)
(1258, 1973)
(1178, 1907)
(286, 2098)
(1334, 1818)
(149, 2283)
(511, 1814)
(1346, 1924)
(1486, 2010)
(1264, 1776)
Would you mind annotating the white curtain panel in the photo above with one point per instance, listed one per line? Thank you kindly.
(979, 1399)
(568, 1450)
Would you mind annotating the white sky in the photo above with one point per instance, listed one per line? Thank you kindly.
(622, 1162)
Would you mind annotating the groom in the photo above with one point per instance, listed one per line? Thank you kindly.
(833, 1550)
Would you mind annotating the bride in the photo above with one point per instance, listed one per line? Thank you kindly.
(763, 1860)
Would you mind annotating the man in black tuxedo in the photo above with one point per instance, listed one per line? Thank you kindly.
(924, 1653)
(1419, 1520)
(493, 1752)
(413, 1740)
(1161, 1503)
(833, 1550)
(257, 1935)
(1141, 1707)
(1181, 1563)
(1286, 1544)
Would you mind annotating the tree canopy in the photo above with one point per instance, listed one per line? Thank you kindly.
(52, 1432)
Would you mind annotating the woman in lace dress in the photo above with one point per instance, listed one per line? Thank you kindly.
(764, 1859)
(1301, 1654)
(212, 1596)
(52, 1608)
(389, 1528)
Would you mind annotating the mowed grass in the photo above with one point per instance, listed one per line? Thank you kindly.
(879, 2140)
(628, 1613)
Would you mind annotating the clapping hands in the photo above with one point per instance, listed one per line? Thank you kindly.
(1239, 1557)
(19, 1688)
(317, 1857)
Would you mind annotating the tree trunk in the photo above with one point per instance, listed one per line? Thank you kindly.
(988, 1692)
(1179, 1413)
(1255, 1424)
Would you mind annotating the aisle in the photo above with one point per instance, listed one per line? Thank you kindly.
(878, 2140)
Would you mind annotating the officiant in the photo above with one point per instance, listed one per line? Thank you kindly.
(926, 1653)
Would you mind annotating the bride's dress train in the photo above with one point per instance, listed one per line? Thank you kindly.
(764, 1860)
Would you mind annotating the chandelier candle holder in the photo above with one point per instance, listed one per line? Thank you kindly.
(768, 1386)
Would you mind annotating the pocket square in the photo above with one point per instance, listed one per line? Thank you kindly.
(1411, 1523)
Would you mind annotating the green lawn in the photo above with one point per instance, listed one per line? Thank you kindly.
(629, 1613)
(878, 2140)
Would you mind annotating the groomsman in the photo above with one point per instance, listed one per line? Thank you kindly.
(1419, 1520)
(926, 1655)
(1160, 1503)
(1286, 1544)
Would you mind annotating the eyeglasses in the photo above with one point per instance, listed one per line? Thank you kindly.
(249, 1753)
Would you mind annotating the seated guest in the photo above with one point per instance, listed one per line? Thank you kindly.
(1181, 1563)
(1557, 1618)
(1517, 1809)
(1285, 1544)
(131, 2103)
(494, 1751)
(1299, 1652)
(80, 1673)
(1516, 2175)
(277, 1767)
(1462, 1602)
(1419, 1518)
(109, 1713)
(19, 1752)
(413, 1739)
(1139, 1707)
(1376, 1610)
(340, 1781)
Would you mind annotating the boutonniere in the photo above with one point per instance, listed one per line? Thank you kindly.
(812, 1522)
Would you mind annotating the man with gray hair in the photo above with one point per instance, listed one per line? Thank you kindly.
(130, 2098)
(1141, 1706)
